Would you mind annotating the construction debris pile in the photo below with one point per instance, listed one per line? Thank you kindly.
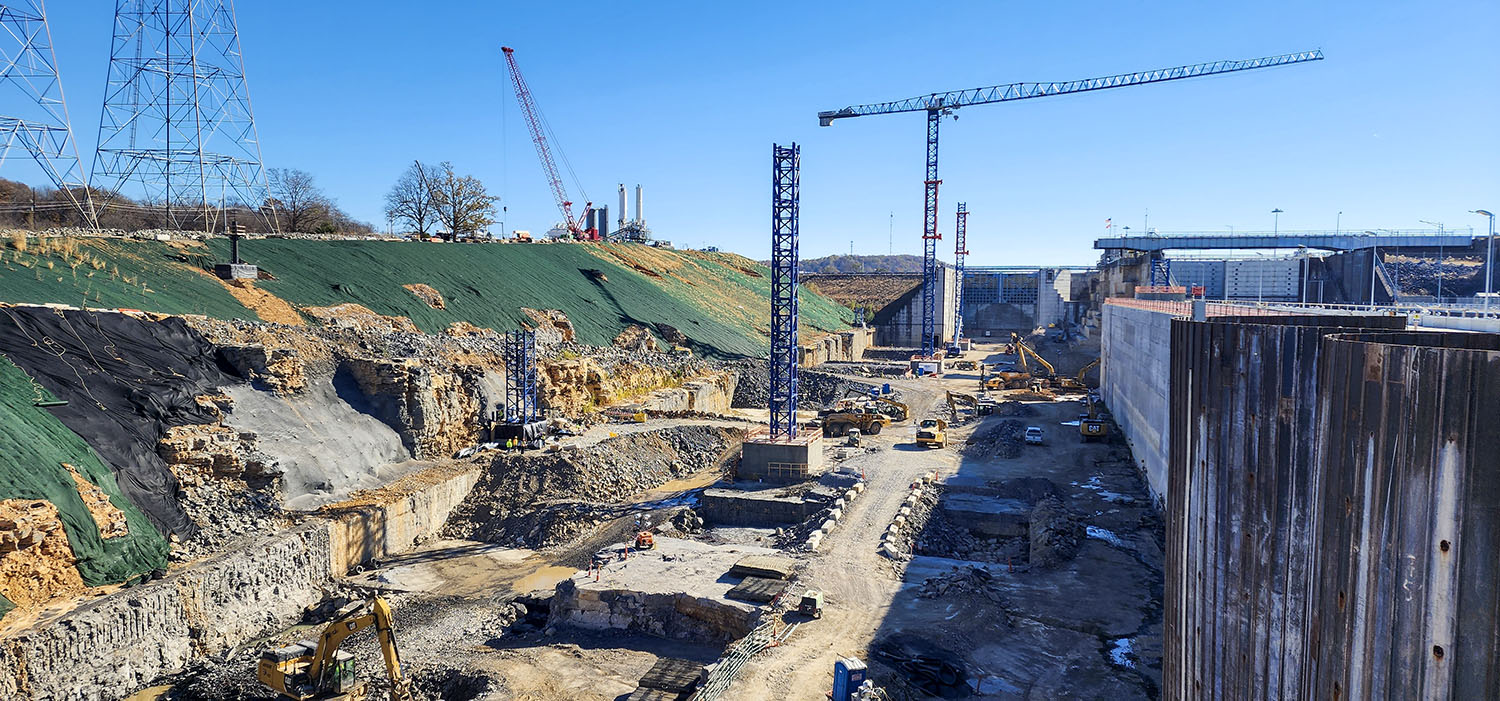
(1460, 276)
(1002, 440)
(511, 501)
(943, 536)
(964, 579)
(815, 390)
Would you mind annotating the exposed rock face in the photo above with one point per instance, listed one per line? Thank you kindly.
(637, 339)
(108, 517)
(279, 370)
(215, 448)
(431, 297)
(436, 410)
(36, 561)
(673, 616)
(551, 325)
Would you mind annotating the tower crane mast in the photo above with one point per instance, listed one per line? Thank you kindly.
(936, 105)
(575, 227)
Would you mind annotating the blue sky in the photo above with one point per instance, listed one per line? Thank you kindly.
(1396, 126)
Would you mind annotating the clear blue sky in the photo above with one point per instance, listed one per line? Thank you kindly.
(1397, 125)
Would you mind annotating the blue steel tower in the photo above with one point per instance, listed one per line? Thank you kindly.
(930, 235)
(1161, 271)
(786, 164)
(520, 377)
(960, 249)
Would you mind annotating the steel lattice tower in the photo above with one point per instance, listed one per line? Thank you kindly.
(36, 114)
(786, 166)
(1161, 271)
(520, 377)
(177, 121)
(960, 249)
(930, 235)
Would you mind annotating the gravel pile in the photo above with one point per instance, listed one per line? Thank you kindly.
(815, 390)
(1002, 440)
(966, 579)
(1014, 409)
(1055, 533)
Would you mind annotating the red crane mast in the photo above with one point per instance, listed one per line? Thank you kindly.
(543, 152)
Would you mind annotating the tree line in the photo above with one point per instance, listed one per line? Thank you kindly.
(294, 203)
(430, 200)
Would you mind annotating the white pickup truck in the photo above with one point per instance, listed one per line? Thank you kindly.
(1034, 435)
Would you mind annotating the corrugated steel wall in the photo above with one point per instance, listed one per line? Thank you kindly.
(1242, 504)
(1409, 544)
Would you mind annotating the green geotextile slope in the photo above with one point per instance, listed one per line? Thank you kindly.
(115, 273)
(5, 606)
(719, 301)
(33, 447)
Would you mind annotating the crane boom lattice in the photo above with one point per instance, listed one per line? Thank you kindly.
(538, 129)
(938, 104)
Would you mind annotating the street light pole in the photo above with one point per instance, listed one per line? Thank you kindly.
(1489, 256)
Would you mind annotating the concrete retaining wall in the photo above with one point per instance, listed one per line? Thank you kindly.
(732, 507)
(846, 346)
(156, 629)
(1136, 351)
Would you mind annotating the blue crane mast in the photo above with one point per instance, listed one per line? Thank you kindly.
(960, 251)
(786, 165)
(936, 105)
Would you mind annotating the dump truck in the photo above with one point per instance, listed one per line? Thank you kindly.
(932, 432)
(319, 671)
(838, 420)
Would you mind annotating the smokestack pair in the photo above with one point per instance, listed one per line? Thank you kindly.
(640, 207)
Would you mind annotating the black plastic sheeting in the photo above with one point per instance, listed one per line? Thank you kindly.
(126, 380)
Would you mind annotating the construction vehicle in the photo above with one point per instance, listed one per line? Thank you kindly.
(956, 399)
(839, 420)
(1076, 381)
(308, 670)
(575, 227)
(645, 540)
(870, 400)
(811, 604)
(1092, 426)
(682, 351)
(932, 432)
(1034, 435)
(627, 414)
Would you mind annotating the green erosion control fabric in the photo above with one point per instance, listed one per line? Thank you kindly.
(719, 301)
(33, 447)
(721, 309)
(5, 606)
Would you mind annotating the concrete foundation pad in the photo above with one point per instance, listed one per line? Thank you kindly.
(677, 590)
(781, 460)
(989, 516)
(771, 506)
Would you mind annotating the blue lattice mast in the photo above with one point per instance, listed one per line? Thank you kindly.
(960, 250)
(930, 235)
(1161, 271)
(520, 377)
(786, 163)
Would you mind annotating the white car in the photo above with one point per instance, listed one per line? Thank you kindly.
(1034, 435)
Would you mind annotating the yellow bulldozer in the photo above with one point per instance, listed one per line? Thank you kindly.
(318, 671)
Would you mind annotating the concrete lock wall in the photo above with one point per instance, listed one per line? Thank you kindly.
(846, 346)
(1247, 502)
(1136, 350)
(207, 608)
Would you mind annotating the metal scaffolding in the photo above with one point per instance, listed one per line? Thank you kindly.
(177, 122)
(520, 377)
(786, 164)
(36, 113)
(960, 250)
(1161, 271)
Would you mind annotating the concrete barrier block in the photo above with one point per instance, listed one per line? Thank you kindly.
(906, 511)
(900, 520)
(835, 514)
(827, 526)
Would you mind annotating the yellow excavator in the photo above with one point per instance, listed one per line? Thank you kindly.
(319, 671)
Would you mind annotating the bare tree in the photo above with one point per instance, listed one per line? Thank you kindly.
(300, 203)
(412, 199)
(464, 207)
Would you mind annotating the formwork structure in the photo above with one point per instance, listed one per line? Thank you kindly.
(177, 121)
(1301, 473)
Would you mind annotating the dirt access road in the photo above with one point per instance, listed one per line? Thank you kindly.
(1086, 628)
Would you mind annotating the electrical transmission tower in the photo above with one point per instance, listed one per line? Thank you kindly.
(31, 97)
(786, 166)
(177, 122)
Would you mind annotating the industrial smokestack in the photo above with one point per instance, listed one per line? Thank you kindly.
(621, 222)
(640, 206)
(604, 222)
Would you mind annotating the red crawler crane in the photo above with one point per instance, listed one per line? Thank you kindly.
(575, 227)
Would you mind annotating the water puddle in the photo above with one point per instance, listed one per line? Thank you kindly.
(1122, 653)
(1107, 536)
(545, 577)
